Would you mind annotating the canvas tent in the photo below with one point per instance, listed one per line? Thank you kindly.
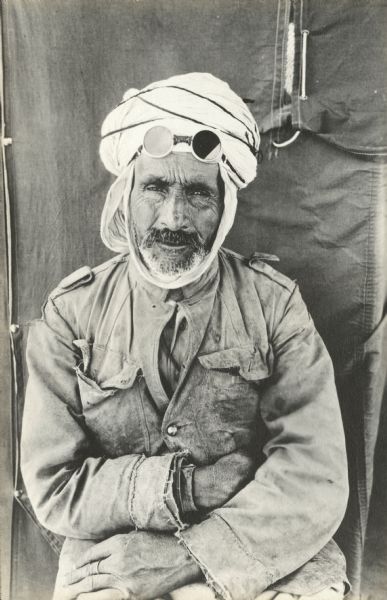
(314, 74)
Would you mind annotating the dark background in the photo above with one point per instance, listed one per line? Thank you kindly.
(318, 203)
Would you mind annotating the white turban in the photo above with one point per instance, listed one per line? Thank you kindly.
(185, 104)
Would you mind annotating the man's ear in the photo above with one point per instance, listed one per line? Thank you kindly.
(132, 187)
(133, 177)
(119, 216)
(221, 190)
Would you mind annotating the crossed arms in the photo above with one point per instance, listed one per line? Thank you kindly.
(260, 526)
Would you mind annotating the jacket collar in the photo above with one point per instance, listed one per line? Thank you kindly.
(188, 294)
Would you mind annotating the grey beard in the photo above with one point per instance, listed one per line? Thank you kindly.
(171, 268)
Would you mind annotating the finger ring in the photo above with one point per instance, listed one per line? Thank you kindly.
(94, 568)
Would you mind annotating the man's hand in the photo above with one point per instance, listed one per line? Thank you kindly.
(140, 564)
(215, 484)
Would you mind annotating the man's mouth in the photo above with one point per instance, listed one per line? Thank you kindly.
(172, 245)
(172, 240)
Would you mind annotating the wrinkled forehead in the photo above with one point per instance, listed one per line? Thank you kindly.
(180, 167)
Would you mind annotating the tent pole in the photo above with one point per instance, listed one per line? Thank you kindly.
(6, 360)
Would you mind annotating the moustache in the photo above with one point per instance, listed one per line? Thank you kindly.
(177, 238)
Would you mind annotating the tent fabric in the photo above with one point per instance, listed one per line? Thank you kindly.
(317, 204)
(321, 211)
(346, 85)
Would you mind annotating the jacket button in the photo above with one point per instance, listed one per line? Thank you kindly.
(172, 430)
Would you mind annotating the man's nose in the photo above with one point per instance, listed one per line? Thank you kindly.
(174, 212)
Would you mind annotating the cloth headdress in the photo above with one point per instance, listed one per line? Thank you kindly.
(185, 104)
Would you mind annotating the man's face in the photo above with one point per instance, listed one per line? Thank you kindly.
(175, 208)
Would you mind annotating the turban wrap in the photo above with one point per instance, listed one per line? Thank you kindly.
(185, 104)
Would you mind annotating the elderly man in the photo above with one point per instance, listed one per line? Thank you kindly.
(181, 425)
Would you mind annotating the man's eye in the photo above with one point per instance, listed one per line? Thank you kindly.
(199, 193)
(154, 187)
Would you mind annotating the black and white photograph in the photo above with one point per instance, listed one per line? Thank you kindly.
(193, 286)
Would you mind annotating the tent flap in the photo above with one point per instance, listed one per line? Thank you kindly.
(345, 74)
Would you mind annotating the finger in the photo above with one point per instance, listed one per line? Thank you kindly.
(76, 575)
(95, 553)
(268, 595)
(192, 591)
(328, 594)
(87, 570)
(91, 583)
(109, 594)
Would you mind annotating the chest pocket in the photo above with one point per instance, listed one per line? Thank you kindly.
(111, 399)
(235, 366)
(229, 404)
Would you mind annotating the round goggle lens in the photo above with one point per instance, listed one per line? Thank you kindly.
(158, 141)
(206, 145)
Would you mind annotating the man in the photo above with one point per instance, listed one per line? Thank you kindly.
(181, 425)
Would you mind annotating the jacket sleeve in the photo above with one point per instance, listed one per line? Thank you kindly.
(75, 492)
(297, 499)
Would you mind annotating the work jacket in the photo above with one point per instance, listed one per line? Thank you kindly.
(101, 439)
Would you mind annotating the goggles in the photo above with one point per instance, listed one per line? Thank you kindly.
(159, 142)
(205, 145)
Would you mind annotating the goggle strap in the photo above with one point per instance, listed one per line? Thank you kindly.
(177, 87)
(227, 162)
(171, 112)
(130, 127)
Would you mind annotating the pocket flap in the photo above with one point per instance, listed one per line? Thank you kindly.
(124, 379)
(93, 393)
(104, 368)
(249, 362)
